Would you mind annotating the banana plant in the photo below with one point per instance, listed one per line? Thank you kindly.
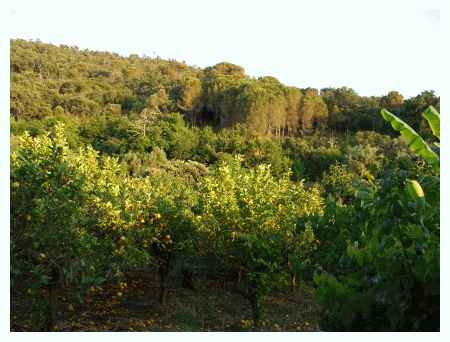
(415, 142)
(434, 119)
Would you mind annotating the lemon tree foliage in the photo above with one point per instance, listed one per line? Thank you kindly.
(249, 219)
(172, 236)
(52, 244)
(78, 220)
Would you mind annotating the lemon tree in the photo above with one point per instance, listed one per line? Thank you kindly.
(248, 217)
(52, 246)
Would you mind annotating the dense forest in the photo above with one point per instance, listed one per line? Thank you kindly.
(147, 194)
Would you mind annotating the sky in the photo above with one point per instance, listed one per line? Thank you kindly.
(370, 46)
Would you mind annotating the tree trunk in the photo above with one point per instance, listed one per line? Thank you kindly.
(52, 307)
(53, 304)
(162, 285)
(162, 295)
(293, 281)
(255, 303)
(188, 282)
(164, 268)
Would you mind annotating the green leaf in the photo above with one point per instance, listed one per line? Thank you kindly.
(362, 194)
(414, 140)
(433, 119)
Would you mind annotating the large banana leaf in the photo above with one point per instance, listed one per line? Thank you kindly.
(434, 120)
(414, 140)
